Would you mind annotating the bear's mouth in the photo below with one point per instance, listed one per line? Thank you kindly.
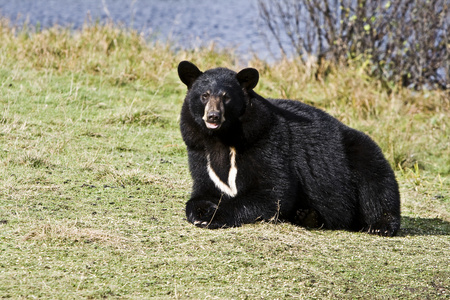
(213, 125)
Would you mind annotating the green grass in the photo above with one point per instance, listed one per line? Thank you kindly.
(94, 178)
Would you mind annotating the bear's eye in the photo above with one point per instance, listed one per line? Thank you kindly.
(226, 99)
(205, 97)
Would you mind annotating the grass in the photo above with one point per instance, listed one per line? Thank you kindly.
(94, 177)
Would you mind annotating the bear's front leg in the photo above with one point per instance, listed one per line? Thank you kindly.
(212, 213)
(207, 214)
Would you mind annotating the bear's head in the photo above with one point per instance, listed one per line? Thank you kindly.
(217, 97)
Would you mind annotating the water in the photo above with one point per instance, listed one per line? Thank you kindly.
(187, 23)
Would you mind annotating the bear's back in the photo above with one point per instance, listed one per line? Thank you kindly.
(298, 113)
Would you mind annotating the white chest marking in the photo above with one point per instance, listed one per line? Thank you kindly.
(230, 189)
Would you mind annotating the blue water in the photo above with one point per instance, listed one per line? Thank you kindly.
(187, 23)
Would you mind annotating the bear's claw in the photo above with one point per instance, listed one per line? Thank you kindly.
(200, 223)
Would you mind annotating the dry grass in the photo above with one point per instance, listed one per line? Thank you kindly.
(72, 232)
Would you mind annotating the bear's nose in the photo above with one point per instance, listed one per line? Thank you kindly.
(213, 116)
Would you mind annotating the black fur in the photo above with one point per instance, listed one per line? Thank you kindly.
(294, 162)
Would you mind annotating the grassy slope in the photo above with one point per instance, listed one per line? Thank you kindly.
(93, 181)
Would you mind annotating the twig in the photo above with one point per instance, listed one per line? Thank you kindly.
(217, 207)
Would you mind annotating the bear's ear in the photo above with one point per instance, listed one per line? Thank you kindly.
(188, 73)
(248, 78)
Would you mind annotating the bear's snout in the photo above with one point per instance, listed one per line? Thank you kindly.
(214, 113)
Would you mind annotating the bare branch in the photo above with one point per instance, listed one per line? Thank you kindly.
(407, 41)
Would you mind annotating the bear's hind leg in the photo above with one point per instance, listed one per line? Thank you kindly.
(387, 226)
(377, 189)
(380, 208)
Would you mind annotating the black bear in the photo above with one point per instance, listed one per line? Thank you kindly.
(253, 159)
